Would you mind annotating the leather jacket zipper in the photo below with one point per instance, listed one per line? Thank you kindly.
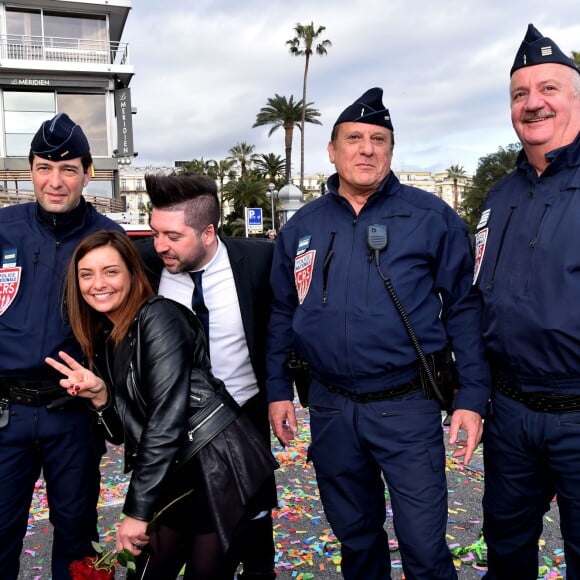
(191, 432)
(101, 421)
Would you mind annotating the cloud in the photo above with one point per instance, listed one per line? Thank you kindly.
(203, 70)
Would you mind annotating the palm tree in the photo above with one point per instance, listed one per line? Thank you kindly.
(200, 166)
(248, 191)
(490, 169)
(302, 45)
(270, 166)
(455, 172)
(285, 113)
(224, 168)
(243, 154)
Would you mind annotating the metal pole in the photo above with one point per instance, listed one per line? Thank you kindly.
(272, 189)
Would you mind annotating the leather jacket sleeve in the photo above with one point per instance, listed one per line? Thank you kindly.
(157, 395)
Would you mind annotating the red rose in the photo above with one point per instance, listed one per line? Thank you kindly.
(85, 570)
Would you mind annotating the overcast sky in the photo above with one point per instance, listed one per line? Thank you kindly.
(204, 68)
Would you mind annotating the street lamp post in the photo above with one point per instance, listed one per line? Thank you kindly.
(273, 192)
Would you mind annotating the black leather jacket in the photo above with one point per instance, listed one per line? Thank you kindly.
(165, 402)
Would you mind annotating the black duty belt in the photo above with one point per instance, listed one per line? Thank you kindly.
(384, 395)
(543, 402)
(32, 393)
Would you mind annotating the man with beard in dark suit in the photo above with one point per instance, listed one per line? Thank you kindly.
(225, 281)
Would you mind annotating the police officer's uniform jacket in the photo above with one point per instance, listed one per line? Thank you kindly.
(528, 269)
(330, 299)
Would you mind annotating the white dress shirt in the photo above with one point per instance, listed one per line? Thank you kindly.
(230, 357)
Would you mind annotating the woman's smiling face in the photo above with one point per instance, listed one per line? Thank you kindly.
(104, 281)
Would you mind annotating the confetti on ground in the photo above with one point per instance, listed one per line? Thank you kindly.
(306, 548)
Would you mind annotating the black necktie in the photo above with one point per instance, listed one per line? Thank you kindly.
(198, 303)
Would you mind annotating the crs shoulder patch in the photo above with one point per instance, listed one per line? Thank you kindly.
(303, 267)
(480, 243)
(9, 285)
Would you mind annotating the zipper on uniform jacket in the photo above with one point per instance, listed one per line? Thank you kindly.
(326, 267)
(501, 242)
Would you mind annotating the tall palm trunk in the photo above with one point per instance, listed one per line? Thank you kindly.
(288, 137)
(302, 123)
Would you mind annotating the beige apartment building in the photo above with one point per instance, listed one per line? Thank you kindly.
(289, 199)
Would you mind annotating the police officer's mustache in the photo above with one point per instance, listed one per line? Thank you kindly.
(531, 117)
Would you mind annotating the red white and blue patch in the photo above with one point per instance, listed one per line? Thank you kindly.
(9, 285)
(303, 267)
(480, 242)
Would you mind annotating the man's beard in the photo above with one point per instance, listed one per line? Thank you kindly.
(179, 266)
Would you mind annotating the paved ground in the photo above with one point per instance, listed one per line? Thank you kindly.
(306, 547)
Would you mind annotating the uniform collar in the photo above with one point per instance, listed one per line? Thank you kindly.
(568, 155)
(385, 186)
(63, 222)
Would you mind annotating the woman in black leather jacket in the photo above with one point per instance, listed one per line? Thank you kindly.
(148, 379)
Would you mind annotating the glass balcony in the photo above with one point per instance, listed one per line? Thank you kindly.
(66, 50)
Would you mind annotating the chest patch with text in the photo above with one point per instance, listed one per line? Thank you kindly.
(303, 267)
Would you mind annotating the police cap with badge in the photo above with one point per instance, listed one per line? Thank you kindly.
(368, 108)
(537, 49)
(60, 139)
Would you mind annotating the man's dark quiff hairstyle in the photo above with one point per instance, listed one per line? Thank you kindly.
(194, 194)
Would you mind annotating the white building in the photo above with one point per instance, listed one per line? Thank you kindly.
(65, 56)
(133, 193)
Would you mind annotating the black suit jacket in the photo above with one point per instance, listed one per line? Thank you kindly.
(251, 262)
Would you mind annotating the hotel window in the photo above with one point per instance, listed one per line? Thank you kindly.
(89, 111)
(45, 35)
(24, 112)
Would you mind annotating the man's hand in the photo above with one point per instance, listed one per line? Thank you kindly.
(283, 421)
(471, 422)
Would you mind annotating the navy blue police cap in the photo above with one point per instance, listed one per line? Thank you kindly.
(60, 139)
(537, 49)
(368, 108)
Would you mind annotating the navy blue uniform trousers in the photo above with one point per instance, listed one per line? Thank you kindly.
(356, 445)
(60, 444)
(529, 457)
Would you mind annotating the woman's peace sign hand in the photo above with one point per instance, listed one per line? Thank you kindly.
(79, 380)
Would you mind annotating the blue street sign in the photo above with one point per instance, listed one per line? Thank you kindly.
(254, 218)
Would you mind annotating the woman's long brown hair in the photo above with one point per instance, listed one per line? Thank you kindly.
(86, 322)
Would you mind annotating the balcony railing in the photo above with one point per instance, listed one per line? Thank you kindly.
(66, 50)
(102, 204)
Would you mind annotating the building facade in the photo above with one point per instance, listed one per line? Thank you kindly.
(65, 56)
(289, 199)
(439, 184)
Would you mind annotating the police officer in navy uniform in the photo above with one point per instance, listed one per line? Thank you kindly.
(40, 429)
(529, 274)
(371, 416)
